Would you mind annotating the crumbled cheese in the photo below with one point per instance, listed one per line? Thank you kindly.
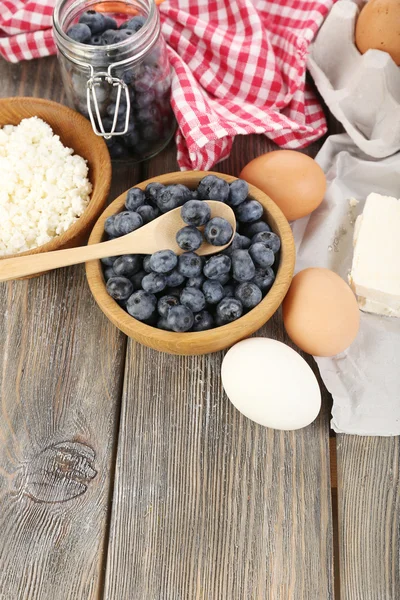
(353, 202)
(44, 187)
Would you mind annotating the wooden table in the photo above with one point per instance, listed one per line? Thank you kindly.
(126, 474)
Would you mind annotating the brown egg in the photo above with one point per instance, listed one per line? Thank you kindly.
(294, 181)
(320, 312)
(378, 27)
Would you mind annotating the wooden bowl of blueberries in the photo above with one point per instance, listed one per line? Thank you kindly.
(194, 305)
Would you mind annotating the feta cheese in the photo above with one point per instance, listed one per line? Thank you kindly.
(375, 273)
(44, 186)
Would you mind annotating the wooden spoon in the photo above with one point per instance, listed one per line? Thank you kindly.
(156, 235)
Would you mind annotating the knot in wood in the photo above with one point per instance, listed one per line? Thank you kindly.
(59, 473)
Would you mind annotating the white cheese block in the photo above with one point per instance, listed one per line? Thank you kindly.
(375, 273)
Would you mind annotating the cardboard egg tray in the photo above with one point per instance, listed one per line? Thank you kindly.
(361, 91)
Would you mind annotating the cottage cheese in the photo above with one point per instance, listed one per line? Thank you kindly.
(44, 187)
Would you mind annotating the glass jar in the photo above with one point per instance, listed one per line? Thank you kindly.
(122, 85)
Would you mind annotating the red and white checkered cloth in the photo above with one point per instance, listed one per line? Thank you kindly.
(238, 68)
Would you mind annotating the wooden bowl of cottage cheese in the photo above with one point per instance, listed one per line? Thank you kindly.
(55, 177)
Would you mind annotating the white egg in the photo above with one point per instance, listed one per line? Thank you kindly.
(271, 384)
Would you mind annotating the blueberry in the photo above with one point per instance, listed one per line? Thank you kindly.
(194, 195)
(127, 77)
(249, 294)
(193, 299)
(131, 139)
(80, 33)
(252, 228)
(134, 24)
(245, 241)
(190, 265)
(169, 197)
(238, 242)
(146, 264)
(225, 278)
(141, 148)
(97, 40)
(109, 260)
(269, 239)
(145, 78)
(111, 110)
(165, 303)
(249, 211)
(196, 282)
(121, 35)
(195, 212)
(148, 114)
(242, 266)
(152, 320)
(109, 23)
(238, 192)
(141, 305)
(261, 255)
(229, 291)
(216, 266)
(126, 222)
(203, 321)
(264, 278)
(108, 273)
(218, 321)
(116, 149)
(134, 198)
(212, 187)
(108, 36)
(213, 291)
(119, 288)
(144, 99)
(187, 194)
(128, 264)
(174, 278)
(108, 124)
(137, 279)
(148, 213)
(229, 309)
(150, 132)
(163, 324)
(189, 238)
(94, 20)
(218, 231)
(163, 261)
(180, 319)
(109, 226)
(154, 283)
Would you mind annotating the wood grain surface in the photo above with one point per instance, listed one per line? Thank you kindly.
(207, 504)
(61, 366)
(61, 373)
(369, 523)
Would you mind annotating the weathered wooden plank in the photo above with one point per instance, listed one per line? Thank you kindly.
(368, 493)
(207, 504)
(61, 365)
(369, 525)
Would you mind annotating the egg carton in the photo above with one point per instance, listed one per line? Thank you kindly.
(361, 90)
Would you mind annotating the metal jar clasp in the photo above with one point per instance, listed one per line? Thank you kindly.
(96, 81)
